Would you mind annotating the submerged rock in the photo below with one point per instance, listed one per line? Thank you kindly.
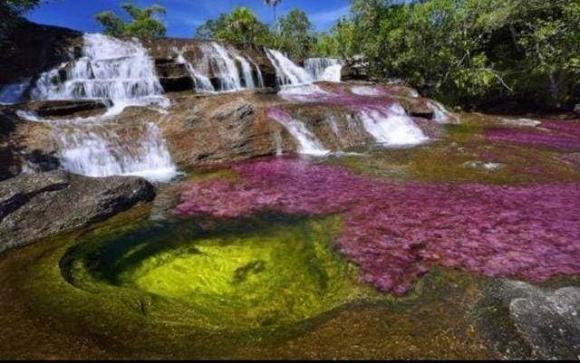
(481, 165)
(35, 206)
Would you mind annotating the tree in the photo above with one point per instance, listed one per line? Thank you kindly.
(144, 23)
(296, 35)
(340, 42)
(468, 51)
(241, 26)
(273, 4)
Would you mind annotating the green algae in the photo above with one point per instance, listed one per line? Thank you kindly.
(445, 159)
(258, 273)
(69, 297)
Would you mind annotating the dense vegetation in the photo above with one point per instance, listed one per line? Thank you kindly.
(467, 51)
(143, 24)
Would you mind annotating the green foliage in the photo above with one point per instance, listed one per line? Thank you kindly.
(241, 26)
(293, 34)
(296, 35)
(17, 7)
(144, 23)
(465, 51)
(340, 42)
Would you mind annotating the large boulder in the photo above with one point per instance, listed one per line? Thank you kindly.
(35, 206)
(209, 130)
(30, 49)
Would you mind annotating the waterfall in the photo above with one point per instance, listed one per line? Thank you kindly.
(308, 143)
(121, 72)
(112, 69)
(202, 83)
(98, 151)
(223, 67)
(390, 126)
(324, 69)
(223, 62)
(441, 114)
(13, 93)
(248, 75)
(261, 82)
(287, 72)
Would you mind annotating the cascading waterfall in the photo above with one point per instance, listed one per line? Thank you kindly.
(223, 63)
(390, 126)
(100, 151)
(117, 70)
(308, 143)
(261, 82)
(324, 69)
(248, 75)
(122, 73)
(202, 83)
(287, 72)
(224, 67)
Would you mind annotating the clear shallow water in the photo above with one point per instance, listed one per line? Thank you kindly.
(265, 272)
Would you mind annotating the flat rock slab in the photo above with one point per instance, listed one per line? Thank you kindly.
(65, 108)
(549, 321)
(36, 206)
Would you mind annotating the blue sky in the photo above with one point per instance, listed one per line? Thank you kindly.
(183, 16)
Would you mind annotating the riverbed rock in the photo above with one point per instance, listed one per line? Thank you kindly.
(79, 108)
(35, 206)
(173, 76)
(208, 130)
(30, 49)
(547, 320)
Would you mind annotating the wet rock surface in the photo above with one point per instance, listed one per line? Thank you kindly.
(66, 108)
(543, 323)
(39, 205)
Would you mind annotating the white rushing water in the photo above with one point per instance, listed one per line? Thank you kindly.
(122, 73)
(390, 126)
(308, 143)
(324, 69)
(442, 114)
(99, 151)
(201, 82)
(367, 91)
(305, 93)
(117, 70)
(287, 72)
(223, 63)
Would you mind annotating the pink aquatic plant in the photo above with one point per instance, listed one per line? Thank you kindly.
(396, 231)
(564, 135)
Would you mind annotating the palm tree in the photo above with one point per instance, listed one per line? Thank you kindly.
(273, 4)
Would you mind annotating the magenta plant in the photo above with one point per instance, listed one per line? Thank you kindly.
(395, 232)
(564, 135)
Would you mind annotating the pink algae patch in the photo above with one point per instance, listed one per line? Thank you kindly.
(564, 135)
(395, 231)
